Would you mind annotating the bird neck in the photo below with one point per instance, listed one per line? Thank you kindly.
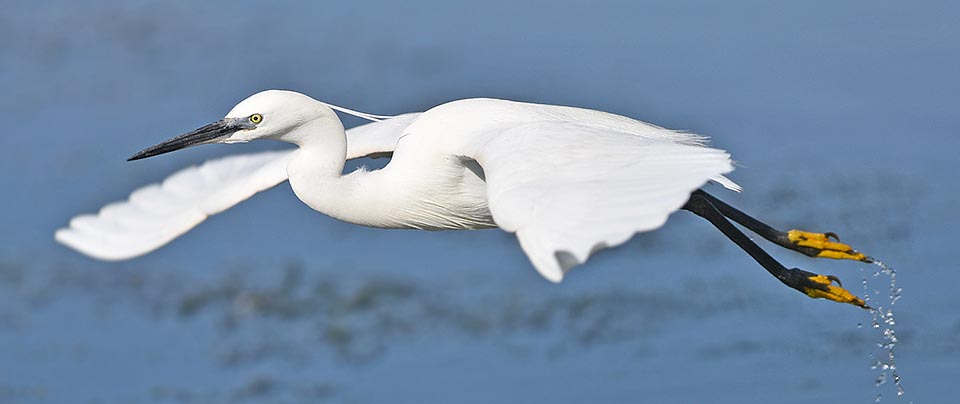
(323, 150)
(316, 176)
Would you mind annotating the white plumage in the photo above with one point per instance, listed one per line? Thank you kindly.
(158, 213)
(567, 181)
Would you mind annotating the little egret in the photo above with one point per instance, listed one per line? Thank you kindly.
(567, 181)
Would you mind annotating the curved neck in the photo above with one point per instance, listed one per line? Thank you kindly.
(323, 149)
(316, 177)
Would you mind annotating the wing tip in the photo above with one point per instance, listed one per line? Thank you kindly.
(76, 241)
(727, 183)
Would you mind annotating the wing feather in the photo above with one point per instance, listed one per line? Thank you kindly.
(378, 137)
(158, 213)
(568, 190)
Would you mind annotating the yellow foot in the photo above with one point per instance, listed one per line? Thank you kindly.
(819, 286)
(820, 245)
(822, 287)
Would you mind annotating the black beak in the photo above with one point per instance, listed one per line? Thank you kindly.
(207, 134)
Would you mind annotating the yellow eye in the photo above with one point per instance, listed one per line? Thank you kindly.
(256, 118)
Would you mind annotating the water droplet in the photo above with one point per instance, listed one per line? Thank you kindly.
(883, 315)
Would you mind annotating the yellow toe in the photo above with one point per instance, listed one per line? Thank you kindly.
(825, 289)
(827, 248)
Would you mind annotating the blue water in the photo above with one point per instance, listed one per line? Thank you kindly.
(842, 117)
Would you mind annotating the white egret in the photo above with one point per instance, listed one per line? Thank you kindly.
(567, 181)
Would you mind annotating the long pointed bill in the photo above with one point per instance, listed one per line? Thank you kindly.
(210, 133)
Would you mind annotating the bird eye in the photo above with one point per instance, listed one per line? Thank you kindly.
(256, 118)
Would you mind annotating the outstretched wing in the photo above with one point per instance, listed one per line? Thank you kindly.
(568, 190)
(158, 213)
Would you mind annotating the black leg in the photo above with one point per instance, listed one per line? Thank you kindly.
(807, 243)
(811, 284)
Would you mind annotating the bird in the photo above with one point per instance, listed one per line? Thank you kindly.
(567, 181)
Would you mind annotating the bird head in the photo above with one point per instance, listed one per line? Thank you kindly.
(270, 114)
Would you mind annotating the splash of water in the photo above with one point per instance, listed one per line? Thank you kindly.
(884, 361)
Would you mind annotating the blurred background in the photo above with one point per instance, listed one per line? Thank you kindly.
(841, 115)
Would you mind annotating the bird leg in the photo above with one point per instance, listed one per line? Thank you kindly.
(817, 245)
(808, 283)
